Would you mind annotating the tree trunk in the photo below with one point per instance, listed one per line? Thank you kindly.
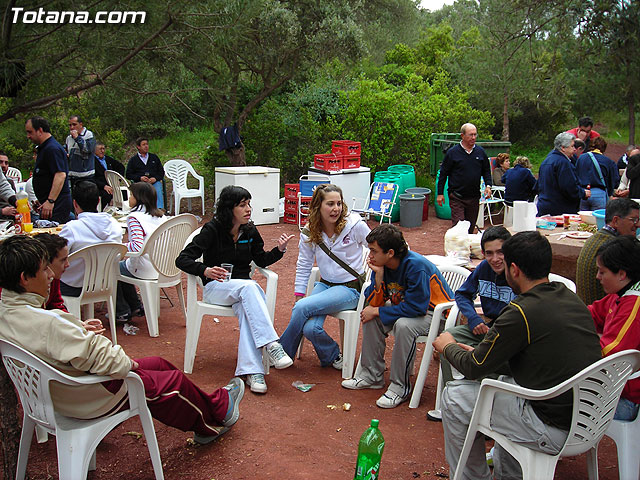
(236, 156)
(632, 121)
(505, 118)
(9, 425)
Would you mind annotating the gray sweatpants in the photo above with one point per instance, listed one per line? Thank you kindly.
(512, 416)
(371, 366)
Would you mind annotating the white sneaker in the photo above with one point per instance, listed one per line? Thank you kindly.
(278, 357)
(256, 383)
(337, 363)
(360, 384)
(390, 400)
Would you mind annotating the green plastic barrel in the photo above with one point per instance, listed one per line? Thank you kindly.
(408, 175)
(443, 211)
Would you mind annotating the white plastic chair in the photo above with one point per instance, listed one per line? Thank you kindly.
(177, 171)
(455, 277)
(76, 439)
(162, 248)
(99, 280)
(382, 197)
(596, 391)
(117, 182)
(553, 277)
(349, 321)
(626, 434)
(14, 174)
(197, 309)
(451, 322)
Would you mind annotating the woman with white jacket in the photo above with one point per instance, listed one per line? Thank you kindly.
(344, 235)
(142, 221)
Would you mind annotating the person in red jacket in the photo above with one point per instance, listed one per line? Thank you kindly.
(58, 254)
(617, 315)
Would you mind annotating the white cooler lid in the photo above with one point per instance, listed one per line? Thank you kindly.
(247, 170)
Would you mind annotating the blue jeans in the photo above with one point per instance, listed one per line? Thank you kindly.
(308, 315)
(626, 410)
(158, 187)
(596, 201)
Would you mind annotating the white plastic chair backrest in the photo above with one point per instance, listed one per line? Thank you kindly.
(165, 244)
(596, 391)
(115, 181)
(454, 275)
(14, 174)
(100, 261)
(31, 377)
(558, 278)
(176, 170)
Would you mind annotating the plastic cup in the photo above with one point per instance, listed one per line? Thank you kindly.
(229, 268)
(28, 227)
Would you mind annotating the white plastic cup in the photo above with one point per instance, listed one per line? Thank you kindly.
(229, 268)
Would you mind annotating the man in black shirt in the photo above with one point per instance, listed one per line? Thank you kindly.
(464, 164)
(546, 335)
(146, 167)
(50, 182)
(102, 164)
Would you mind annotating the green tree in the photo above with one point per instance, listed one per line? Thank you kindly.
(611, 31)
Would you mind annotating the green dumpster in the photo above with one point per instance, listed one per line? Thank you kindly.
(440, 144)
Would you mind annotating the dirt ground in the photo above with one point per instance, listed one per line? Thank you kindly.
(285, 433)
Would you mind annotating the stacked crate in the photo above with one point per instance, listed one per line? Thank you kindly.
(291, 191)
(345, 155)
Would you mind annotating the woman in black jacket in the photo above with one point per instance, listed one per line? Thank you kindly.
(231, 238)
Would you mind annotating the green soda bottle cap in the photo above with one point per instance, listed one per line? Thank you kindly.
(375, 422)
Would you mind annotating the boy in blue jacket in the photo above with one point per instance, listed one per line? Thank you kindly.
(489, 282)
(405, 287)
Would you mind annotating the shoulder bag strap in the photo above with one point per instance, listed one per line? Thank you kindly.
(333, 256)
(597, 165)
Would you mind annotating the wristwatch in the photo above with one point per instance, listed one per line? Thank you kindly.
(51, 201)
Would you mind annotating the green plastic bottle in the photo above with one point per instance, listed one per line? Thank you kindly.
(369, 453)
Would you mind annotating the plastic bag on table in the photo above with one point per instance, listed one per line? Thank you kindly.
(456, 240)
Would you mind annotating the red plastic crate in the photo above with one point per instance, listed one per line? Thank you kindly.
(291, 217)
(346, 147)
(291, 191)
(327, 161)
(291, 205)
(303, 220)
(305, 202)
(350, 161)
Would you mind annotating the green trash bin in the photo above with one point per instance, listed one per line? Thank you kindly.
(422, 191)
(411, 209)
(443, 211)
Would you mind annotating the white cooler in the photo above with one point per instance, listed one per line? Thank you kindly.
(354, 182)
(262, 182)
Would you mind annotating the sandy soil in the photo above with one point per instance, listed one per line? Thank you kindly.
(285, 433)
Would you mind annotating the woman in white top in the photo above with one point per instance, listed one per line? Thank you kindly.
(142, 221)
(344, 234)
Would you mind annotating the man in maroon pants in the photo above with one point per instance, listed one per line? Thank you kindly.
(74, 348)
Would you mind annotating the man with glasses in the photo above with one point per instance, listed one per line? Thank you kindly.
(489, 282)
(621, 218)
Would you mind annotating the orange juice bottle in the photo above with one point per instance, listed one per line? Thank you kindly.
(22, 205)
